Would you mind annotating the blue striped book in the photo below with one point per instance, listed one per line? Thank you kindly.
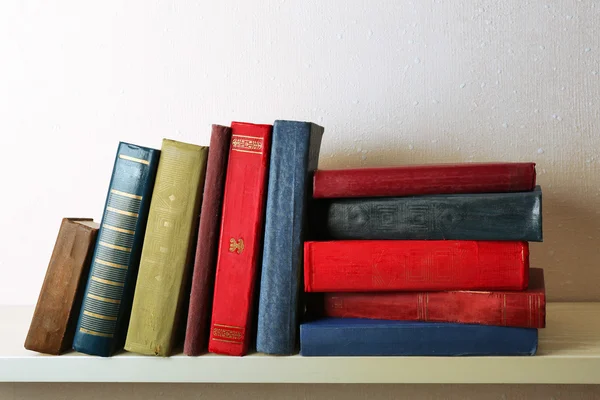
(368, 337)
(295, 150)
(104, 316)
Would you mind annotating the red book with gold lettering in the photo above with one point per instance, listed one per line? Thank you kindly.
(240, 242)
(411, 180)
(526, 309)
(415, 265)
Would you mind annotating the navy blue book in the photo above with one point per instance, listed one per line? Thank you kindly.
(104, 317)
(295, 150)
(371, 337)
(480, 216)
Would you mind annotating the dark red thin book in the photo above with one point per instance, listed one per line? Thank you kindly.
(425, 179)
(196, 333)
(525, 309)
(415, 265)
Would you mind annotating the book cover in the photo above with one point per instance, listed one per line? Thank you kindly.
(104, 316)
(526, 309)
(240, 244)
(425, 179)
(196, 334)
(415, 265)
(169, 245)
(57, 309)
(369, 337)
(479, 216)
(294, 156)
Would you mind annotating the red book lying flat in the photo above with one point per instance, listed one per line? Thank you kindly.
(415, 265)
(425, 179)
(519, 309)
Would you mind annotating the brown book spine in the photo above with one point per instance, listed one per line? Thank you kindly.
(196, 335)
(55, 316)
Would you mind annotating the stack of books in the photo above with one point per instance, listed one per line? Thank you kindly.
(204, 247)
(425, 260)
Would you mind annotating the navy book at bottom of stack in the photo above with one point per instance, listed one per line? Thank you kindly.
(368, 337)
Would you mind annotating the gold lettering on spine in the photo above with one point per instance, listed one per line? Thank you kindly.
(247, 144)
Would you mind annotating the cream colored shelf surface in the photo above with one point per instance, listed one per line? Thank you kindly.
(569, 352)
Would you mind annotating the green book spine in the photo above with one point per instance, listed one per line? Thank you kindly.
(168, 250)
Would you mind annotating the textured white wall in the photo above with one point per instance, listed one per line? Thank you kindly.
(393, 82)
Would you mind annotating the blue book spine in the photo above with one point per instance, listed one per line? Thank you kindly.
(365, 337)
(294, 156)
(483, 216)
(104, 316)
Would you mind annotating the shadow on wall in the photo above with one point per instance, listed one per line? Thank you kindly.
(571, 218)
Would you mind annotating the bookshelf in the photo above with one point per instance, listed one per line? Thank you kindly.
(569, 353)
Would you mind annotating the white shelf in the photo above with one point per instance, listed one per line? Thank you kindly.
(569, 352)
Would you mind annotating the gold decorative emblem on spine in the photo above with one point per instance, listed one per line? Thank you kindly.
(228, 333)
(247, 144)
(236, 246)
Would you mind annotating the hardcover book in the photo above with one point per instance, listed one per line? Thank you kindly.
(482, 216)
(55, 316)
(104, 316)
(294, 157)
(425, 179)
(240, 243)
(196, 334)
(525, 309)
(415, 265)
(368, 337)
(169, 245)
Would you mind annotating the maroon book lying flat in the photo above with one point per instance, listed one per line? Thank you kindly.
(519, 309)
(196, 333)
(425, 179)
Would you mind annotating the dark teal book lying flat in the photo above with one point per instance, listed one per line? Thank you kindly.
(483, 216)
(108, 296)
(368, 337)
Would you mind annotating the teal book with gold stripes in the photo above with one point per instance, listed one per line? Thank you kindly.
(106, 308)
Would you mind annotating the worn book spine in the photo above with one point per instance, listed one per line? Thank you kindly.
(425, 179)
(525, 309)
(368, 337)
(484, 216)
(104, 316)
(415, 265)
(55, 316)
(240, 243)
(294, 157)
(196, 334)
(169, 246)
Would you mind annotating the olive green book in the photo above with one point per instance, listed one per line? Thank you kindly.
(168, 250)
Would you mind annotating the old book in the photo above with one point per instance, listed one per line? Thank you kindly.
(371, 337)
(415, 265)
(55, 316)
(294, 157)
(526, 309)
(104, 316)
(169, 245)
(196, 334)
(479, 216)
(240, 244)
(425, 179)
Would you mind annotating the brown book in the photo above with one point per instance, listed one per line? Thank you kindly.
(196, 335)
(55, 316)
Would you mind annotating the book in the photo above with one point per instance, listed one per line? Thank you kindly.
(369, 337)
(196, 333)
(106, 308)
(55, 316)
(525, 309)
(479, 216)
(425, 179)
(240, 243)
(169, 244)
(415, 265)
(294, 156)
